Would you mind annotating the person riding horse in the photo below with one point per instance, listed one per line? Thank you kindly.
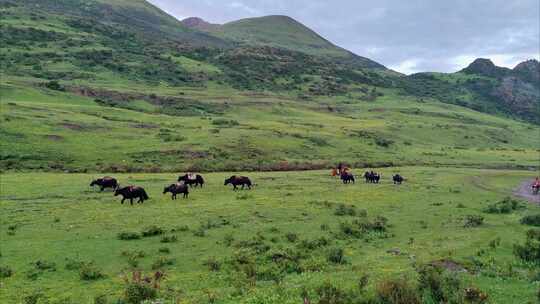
(536, 185)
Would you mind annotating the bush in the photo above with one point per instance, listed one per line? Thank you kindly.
(142, 288)
(54, 85)
(126, 236)
(169, 239)
(530, 251)
(32, 298)
(161, 262)
(291, 237)
(5, 272)
(396, 291)
(225, 122)
(382, 142)
(531, 220)
(101, 299)
(330, 294)
(343, 210)
(475, 295)
(503, 207)
(473, 221)
(73, 264)
(89, 272)
(164, 250)
(44, 265)
(336, 256)
(152, 231)
(213, 264)
(439, 286)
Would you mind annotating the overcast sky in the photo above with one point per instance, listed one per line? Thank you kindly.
(407, 36)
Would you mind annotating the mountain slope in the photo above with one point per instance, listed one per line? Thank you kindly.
(484, 87)
(284, 32)
(139, 15)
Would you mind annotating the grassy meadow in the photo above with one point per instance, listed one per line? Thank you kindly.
(52, 221)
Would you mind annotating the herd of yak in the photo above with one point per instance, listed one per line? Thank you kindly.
(192, 180)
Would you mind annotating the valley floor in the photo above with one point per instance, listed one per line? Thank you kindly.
(53, 222)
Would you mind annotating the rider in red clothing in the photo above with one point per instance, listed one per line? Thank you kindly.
(536, 185)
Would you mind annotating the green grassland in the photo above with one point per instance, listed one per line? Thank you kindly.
(44, 129)
(58, 219)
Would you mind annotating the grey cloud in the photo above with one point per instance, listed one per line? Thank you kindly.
(410, 36)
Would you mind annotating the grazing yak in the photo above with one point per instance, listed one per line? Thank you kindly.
(174, 189)
(197, 181)
(347, 177)
(238, 180)
(132, 192)
(398, 179)
(105, 182)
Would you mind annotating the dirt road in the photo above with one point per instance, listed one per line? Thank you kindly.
(524, 191)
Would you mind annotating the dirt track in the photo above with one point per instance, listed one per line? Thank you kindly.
(524, 191)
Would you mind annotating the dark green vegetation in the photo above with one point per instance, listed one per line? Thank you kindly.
(296, 235)
(121, 87)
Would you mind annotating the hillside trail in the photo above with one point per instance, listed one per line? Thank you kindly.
(524, 191)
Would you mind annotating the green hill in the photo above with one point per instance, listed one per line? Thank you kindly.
(104, 73)
(287, 33)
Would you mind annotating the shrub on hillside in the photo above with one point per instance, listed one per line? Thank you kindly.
(5, 272)
(530, 251)
(126, 236)
(330, 294)
(161, 262)
(45, 265)
(439, 285)
(397, 291)
(213, 264)
(473, 221)
(336, 256)
(504, 207)
(141, 288)
(343, 210)
(90, 272)
(531, 220)
(152, 231)
(221, 122)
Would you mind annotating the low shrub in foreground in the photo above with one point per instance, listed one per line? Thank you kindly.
(530, 251)
(90, 272)
(141, 288)
(126, 236)
(152, 231)
(397, 291)
(503, 207)
(5, 272)
(473, 221)
(531, 220)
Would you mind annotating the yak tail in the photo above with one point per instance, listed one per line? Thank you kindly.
(145, 196)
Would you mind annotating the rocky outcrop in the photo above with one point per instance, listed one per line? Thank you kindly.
(199, 24)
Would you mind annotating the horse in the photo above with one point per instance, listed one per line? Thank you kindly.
(132, 192)
(398, 179)
(238, 180)
(198, 181)
(174, 189)
(105, 182)
(347, 177)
